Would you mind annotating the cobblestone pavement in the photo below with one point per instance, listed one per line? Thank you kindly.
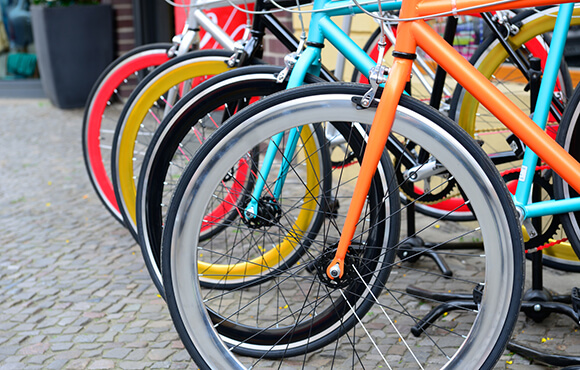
(75, 292)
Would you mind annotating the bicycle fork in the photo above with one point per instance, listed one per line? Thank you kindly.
(377, 140)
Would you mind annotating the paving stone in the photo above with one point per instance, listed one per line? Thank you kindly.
(80, 363)
(182, 355)
(38, 359)
(97, 353)
(65, 346)
(13, 366)
(67, 355)
(47, 322)
(160, 354)
(118, 353)
(85, 338)
(88, 346)
(161, 365)
(72, 329)
(53, 330)
(137, 344)
(126, 337)
(57, 364)
(102, 364)
(134, 365)
(160, 344)
(137, 354)
(34, 349)
(14, 359)
(107, 337)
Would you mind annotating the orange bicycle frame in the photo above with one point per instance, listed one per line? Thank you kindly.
(416, 33)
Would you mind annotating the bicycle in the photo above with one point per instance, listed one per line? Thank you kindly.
(155, 189)
(329, 103)
(107, 98)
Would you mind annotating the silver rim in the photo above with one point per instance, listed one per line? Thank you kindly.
(499, 274)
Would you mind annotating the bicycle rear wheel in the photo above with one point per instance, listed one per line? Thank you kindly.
(301, 310)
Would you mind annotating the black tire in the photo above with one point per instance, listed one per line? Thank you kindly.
(568, 137)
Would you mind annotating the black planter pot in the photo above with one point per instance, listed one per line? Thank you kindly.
(74, 45)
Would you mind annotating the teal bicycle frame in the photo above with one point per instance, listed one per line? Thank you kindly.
(321, 28)
(522, 196)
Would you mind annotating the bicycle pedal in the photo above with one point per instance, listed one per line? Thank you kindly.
(517, 146)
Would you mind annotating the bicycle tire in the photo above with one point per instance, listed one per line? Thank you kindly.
(161, 169)
(568, 134)
(133, 132)
(107, 88)
(330, 103)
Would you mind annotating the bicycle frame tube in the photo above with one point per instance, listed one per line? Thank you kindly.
(541, 111)
(190, 37)
(506, 111)
(320, 28)
(412, 34)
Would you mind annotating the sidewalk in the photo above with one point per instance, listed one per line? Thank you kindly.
(75, 291)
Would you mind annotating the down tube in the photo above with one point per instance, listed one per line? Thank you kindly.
(499, 105)
(296, 79)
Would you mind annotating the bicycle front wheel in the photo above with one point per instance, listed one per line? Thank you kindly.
(372, 315)
(103, 108)
(568, 135)
(144, 112)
